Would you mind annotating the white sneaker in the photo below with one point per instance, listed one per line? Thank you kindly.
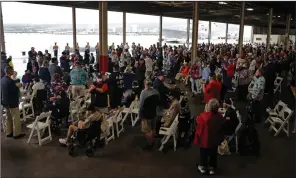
(63, 141)
(212, 172)
(201, 169)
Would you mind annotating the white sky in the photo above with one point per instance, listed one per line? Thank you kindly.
(25, 13)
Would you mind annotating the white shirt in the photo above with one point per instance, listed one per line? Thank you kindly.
(252, 65)
(149, 64)
(38, 86)
(126, 46)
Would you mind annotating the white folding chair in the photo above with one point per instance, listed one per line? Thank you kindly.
(76, 108)
(276, 112)
(118, 120)
(235, 134)
(40, 127)
(109, 134)
(168, 132)
(277, 84)
(25, 106)
(283, 121)
(135, 112)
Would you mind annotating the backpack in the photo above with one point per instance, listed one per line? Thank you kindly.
(248, 143)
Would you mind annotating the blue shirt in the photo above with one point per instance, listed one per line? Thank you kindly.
(78, 76)
(206, 73)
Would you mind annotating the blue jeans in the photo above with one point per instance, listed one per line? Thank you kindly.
(195, 83)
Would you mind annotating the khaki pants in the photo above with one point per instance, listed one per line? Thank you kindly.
(78, 90)
(178, 76)
(13, 122)
(148, 74)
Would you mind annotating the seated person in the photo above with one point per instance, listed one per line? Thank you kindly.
(230, 116)
(183, 72)
(27, 78)
(172, 112)
(91, 115)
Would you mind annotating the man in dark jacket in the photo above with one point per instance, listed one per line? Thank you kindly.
(147, 112)
(10, 101)
(54, 68)
(162, 89)
(64, 62)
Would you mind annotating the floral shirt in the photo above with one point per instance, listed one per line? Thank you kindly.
(57, 87)
(78, 76)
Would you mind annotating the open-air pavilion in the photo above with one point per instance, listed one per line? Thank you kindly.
(123, 157)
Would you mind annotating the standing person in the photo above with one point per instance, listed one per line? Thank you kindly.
(64, 62)
(67, 49)
(149, 67)
(194, 72)
(54, 68)
(229, 74)
(97, 47)
(115, 87)
(257, 93)
(243, 82)
(10, 101)
(147, 112)
(33, 66)
(55, 50)
(209, 134)
(78, 80)
(140, 73)
(44, 74)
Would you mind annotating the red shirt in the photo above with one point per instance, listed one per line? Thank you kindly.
(212, 90)
(185, 70)
(208, 131)
(230, 70)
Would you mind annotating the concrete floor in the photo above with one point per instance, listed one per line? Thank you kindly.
(124, 157)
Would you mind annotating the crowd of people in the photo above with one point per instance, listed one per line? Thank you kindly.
(217, 70)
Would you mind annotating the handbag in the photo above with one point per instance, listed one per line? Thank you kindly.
(223, 148)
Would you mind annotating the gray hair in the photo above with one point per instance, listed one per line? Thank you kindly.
(213, 105)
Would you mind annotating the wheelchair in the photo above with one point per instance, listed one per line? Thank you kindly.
(88, 138)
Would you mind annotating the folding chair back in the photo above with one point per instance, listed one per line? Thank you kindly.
(277, 84)
(278, 109)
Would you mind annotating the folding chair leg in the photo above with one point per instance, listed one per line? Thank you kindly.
(31, 134)
(39, 137)
(236, 144)
(49, 132)
(117, 129)
(164, 142)
(175, 142)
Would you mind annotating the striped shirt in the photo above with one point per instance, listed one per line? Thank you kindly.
(258, 88)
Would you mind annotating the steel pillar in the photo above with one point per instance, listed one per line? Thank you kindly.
(2, 38)
(74, 28)
(226, 33)
(194, 31)
(210, 32)
(241, 28)
(124, 28)
(160, 31)
(269, 28)
(103, 32)
(252, 34)
(188, 31)
(288, 26)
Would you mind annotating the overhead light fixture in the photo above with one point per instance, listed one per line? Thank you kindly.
(279, 16)
(250, 9)
(223, 3)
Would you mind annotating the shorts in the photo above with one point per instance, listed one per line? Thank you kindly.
(148, 125)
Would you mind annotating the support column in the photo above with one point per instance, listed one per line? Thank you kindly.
(103, 21)
(160, 31)
(194, 31)
(288, 25)
(188, 32)
(210, 32)
(226, 33)
(74, 28)
(269, 28)
(124, 28)
(2, 39)
(241, 28)
(252, 34)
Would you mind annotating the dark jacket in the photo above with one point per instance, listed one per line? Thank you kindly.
(140, 73)
(163, 92)
(44, 74)
(231, 121)
(10, 95)
(30, 66)
(65, 64)
(147, 103)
